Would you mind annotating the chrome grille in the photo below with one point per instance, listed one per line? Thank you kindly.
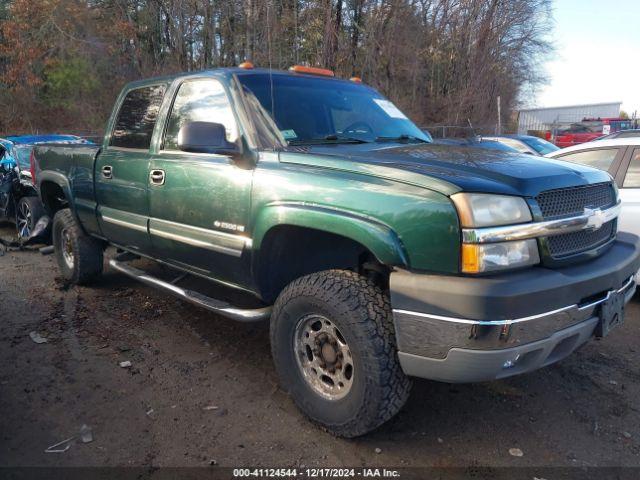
(568, 202)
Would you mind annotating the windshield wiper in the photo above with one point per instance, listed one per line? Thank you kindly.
(328, 139)
(401, 138)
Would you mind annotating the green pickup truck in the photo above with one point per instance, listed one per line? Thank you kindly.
(376, 255)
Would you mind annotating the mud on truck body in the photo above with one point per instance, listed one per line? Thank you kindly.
(377, 255)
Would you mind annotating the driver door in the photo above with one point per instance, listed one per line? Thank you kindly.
(199, 203)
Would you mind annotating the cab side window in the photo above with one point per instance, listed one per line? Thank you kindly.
(137, 118)
(200, 101)
(601, 158)
(632, 178)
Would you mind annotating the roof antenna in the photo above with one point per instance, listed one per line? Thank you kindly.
(473, 131)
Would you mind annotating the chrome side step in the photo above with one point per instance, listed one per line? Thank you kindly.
(191, 296)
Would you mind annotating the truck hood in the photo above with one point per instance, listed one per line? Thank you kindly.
(449, 169)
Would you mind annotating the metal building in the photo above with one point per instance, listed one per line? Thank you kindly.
(536, 119)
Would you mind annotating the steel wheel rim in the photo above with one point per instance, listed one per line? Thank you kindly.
(66, 246)
(323, 357)
(23, 220)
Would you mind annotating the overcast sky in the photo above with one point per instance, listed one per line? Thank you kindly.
(598, 54)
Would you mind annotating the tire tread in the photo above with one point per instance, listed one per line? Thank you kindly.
(89, 258)
(372, 309)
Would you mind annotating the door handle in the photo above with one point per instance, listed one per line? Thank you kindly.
(107, 171)
(156, 177)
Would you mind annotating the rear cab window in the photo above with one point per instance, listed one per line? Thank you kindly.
(137, 116)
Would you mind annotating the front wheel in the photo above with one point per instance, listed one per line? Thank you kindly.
(333, 344)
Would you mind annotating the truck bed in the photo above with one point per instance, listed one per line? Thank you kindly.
(63, 158)
(71, 166)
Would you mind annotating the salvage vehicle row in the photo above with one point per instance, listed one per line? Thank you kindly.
(19, 200)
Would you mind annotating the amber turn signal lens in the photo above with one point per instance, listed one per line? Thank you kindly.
(312, 70)
(470, 258)
(356, 79)
(246, 65)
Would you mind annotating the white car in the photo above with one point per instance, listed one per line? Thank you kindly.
(621, 158)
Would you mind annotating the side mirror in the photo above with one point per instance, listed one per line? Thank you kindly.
(205, 137)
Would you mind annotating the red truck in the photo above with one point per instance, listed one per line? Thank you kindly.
(587, 130)
(575, 134)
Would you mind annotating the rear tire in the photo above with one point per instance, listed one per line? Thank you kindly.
(333, 344)
(28, 212)
(79, 256)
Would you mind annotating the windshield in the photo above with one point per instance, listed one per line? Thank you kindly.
(539, 145)
(580, 128)
(310, 110)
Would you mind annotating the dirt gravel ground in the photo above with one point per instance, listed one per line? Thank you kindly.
(202, 390)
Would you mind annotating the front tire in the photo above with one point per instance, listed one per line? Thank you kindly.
(333, 344)
(79, 256)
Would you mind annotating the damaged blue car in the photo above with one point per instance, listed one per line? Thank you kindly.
(19, 202)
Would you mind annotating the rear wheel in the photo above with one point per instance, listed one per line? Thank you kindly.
(79, 256)
(28, 212)
(333, 345)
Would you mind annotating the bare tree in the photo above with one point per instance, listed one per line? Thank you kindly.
(442, 61)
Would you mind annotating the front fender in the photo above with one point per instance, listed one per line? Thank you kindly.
(377, 237)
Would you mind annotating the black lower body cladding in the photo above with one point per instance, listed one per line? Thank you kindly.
(461, 329)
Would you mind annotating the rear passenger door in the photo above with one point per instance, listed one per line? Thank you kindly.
(630, 194)
(122, 169)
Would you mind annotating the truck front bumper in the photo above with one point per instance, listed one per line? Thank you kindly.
(468, 329)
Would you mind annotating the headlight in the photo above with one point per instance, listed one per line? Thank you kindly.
(489, 257)
(486, 210)
(479, 210)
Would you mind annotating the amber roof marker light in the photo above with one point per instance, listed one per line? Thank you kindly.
(246, 65)
(312, 70)
(356, 79)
